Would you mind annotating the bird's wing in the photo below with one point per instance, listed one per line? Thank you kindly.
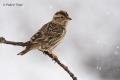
(54, 34)
(39, 35)
(48, 35)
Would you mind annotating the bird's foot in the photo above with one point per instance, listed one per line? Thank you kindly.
(52, 55)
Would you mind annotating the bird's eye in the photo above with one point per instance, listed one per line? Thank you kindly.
(62, 17)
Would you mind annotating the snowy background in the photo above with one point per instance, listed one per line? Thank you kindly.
(90, 48)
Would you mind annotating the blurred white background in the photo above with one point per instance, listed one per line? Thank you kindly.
(90, 48)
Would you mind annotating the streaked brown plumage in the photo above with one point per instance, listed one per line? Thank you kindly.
(50, 35)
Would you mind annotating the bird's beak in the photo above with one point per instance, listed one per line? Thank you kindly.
(69, 18)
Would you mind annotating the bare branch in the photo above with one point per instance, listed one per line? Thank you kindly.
(61, 64)
(2, 40)
(23, 44)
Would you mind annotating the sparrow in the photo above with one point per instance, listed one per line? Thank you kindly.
(50, 35)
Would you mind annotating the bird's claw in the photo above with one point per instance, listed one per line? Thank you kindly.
(2, 40)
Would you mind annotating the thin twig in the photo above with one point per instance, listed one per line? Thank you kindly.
(61, 64)
(23, 44)
(3, 40)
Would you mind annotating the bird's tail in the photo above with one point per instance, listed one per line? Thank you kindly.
(27, 49)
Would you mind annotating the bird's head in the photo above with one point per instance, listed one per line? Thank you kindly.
(61, 17)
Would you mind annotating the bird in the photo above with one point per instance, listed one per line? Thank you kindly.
(50, 35)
